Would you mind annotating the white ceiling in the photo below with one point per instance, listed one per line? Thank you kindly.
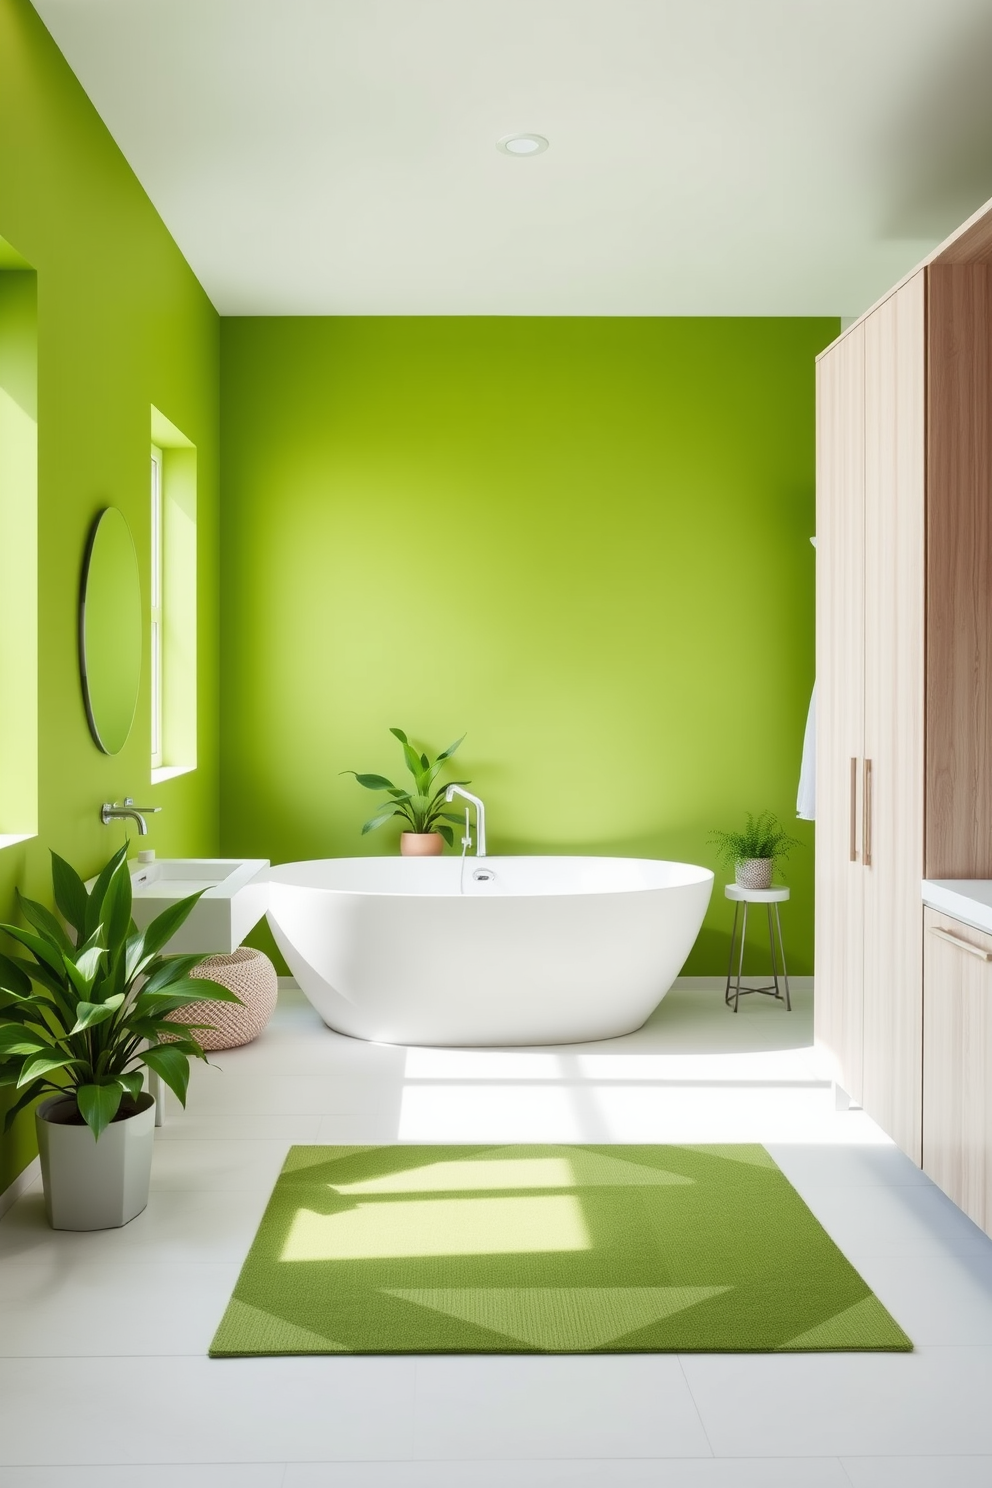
(739, 157)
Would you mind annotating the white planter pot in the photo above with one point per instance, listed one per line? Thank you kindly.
(90, 1184)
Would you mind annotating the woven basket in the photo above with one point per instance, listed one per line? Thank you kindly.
(252, 977)
(754, 873)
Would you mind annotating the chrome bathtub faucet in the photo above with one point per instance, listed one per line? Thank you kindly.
(110, 812)
(480, 816)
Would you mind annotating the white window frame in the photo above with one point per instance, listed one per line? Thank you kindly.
(155, 589)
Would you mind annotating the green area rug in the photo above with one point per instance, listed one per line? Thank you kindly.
(527, 1249)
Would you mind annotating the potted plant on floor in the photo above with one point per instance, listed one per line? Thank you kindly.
(79, 1016)
(754, 850)
(422, 807)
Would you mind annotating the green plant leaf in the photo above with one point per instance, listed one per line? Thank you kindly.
(27, 1096)
(29, 1010)
(162, 929)
(70, 893)
(43, 976)
(447, 753)
(400, 735)
(84, 971)
(169, 1061)
(214, 991)
(377, 821)
(99, 1104)
(168, 969)
(180, 994)
(447, 834)
(98, 893)
(33, 1069)
(39, 948)
(89, 1014)
(116, 915)
(15, 1039)
(13, 979)
(42, 920)
(133, 1083)
(371, 782)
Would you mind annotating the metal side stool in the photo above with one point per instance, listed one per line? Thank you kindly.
(771, 899)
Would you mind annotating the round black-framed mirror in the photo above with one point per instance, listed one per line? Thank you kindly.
(110, 630)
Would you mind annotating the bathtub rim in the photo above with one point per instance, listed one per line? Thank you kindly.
(696, 875)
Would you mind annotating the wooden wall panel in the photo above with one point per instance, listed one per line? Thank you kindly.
(959, 573)
(895, 386)
(840, 724)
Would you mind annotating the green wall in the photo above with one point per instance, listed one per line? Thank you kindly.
(122, 325)
(585, 541)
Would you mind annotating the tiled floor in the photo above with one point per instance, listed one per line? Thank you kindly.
(105, 1383)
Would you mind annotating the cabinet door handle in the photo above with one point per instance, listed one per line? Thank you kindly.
(962, 945)
(866, 817)
(854, 811)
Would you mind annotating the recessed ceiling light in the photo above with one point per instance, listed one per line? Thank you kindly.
(522, 144)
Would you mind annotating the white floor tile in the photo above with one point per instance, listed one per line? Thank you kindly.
(932, 1402)
(205, 1410)
(919, 1472)
(937, 1305)
(142, 1302)
(143, 1475)
(904, 1220)
(70, 1308)
(597, 1406)
(851, 1165)
(597, 1472)
(226, 1092)
(179, 1225)
(185, 1126)
(218, 1165)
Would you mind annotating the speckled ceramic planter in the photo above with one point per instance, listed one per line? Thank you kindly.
(754, 873)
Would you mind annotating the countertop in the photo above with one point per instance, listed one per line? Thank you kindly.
(966, 899)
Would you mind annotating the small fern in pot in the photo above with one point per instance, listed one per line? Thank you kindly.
(754, 850)
(422, 808)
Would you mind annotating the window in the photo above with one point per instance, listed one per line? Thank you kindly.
(18, 549)
(156, 600)
(172, 588)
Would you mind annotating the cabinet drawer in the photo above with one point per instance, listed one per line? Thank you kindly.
(957, 1062)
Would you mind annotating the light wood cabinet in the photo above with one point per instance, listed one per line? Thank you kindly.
(840, 631)
(892, 773)
(904, 704)
(957, 1068)
(870, 703)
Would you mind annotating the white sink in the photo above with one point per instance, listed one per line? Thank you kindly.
(235, 898)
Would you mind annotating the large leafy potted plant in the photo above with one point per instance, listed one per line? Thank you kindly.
(79, 1017)
(754, 850)
(422, 807)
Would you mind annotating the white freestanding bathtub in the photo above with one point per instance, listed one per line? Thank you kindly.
(493, 951)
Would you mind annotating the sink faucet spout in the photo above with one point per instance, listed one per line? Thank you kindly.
(110, 812)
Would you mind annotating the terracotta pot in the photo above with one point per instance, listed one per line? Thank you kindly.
(754, 873)
(421, 844)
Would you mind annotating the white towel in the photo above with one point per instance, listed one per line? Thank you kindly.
(806, 800)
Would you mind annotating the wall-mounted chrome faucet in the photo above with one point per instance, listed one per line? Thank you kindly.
(112, 812)
(480, 816)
